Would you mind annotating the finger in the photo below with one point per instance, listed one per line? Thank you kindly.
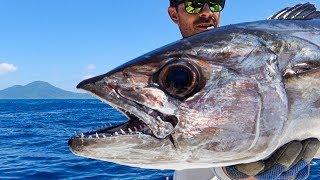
(251, 169)
(280, 161)
(310, 149)
(303, 174)
(293, 171)
(285, 156)
(232, 172)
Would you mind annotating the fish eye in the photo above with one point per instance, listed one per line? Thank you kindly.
(179, 79)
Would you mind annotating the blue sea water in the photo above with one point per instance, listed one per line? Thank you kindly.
(34, 136)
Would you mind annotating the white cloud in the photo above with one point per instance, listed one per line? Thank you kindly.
(91, 67)
(7, 68)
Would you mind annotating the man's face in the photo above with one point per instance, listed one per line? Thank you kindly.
(191, 24)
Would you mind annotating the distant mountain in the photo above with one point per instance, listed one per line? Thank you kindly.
(40, 90)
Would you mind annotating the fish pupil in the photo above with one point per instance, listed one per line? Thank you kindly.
(178, 78)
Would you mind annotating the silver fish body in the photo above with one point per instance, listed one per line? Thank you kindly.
(226, 96)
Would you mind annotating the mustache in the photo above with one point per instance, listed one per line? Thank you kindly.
(203, 20)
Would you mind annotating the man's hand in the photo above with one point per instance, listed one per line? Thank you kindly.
(291, 161)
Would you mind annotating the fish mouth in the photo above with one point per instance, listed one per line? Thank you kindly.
(134, 126)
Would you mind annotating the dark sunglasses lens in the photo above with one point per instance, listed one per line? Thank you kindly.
(193, 6)
(216, 6)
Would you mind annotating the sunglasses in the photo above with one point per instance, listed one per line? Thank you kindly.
(196, 6)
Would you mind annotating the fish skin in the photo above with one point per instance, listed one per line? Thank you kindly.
(258, 83)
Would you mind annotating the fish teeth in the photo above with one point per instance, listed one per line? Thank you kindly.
(90, 137)
(116, 133)
(97, 136)
(150, 112)
(104, 136)
(122, 132)
(130, 131)
(135, 129)
(114, 91)
(159, 118)
(82, 135)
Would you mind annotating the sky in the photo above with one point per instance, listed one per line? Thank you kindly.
(65, 41)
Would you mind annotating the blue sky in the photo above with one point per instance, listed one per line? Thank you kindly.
(64, 41)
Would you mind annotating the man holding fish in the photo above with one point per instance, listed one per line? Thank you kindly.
(291, 160)
(245, 97)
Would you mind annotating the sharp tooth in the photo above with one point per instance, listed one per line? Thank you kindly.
(150, 112)
(129, 130)
(97, 136)
(116, 133)
(122, 131)
(90, 137)
(135, 129)
(116, 93)
(141, 127)
(82, 135)
(104, 136)
(159, 118)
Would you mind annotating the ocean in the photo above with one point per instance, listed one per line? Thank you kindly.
(34, 136)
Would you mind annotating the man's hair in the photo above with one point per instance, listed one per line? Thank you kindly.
(174, 2)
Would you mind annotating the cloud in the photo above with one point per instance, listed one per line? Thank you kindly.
(91, 67)
(7, 68)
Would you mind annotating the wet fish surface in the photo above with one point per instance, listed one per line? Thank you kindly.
(230, 95)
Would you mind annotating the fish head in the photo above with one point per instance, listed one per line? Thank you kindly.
(193, 103)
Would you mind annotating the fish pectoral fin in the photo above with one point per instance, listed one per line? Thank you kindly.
(298, 12)
(310, 69)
